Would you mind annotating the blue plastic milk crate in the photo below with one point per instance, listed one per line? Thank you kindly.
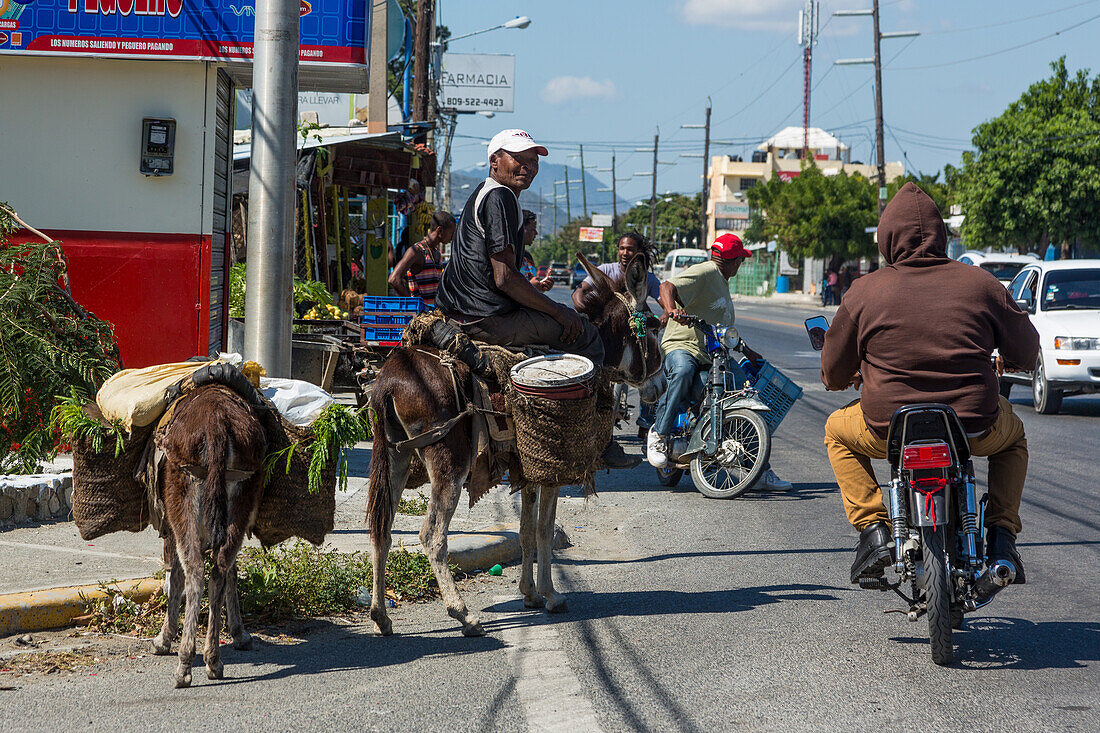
(777, 391)
(386, 319)
(385, 335)
(392, 304)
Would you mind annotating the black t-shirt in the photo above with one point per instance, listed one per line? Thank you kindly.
(490, 223)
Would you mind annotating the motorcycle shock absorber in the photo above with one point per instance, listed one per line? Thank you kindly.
(899, 525)
(969, 519)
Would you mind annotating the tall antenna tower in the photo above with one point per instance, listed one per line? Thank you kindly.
(807, 38)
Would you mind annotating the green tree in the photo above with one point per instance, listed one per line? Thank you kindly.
(677, 215)
(1034, 176)
(815, 215)
(939, 191)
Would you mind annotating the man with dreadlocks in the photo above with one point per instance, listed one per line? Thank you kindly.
(630, 245)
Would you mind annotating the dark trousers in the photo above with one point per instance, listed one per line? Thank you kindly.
(526, 327)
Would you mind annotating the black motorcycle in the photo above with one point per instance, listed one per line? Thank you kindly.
(936, 521)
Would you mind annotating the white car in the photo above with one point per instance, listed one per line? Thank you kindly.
(1063, 298)
(679, 259)
(1003, 266)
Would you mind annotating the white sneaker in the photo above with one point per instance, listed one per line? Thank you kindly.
(770, 482)
(657, 450)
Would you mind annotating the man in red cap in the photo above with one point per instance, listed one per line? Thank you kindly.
(701, 291)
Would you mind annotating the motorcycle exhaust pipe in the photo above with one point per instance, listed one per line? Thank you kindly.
(996, 578)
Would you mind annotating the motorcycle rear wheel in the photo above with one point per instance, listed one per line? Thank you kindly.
(718, 481)
(670, 476)
(937, 592)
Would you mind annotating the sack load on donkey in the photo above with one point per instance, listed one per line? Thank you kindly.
(198, 452)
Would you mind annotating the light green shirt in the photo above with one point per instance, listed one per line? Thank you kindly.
(703, 293)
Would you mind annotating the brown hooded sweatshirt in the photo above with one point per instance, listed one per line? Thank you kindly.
(922, 329)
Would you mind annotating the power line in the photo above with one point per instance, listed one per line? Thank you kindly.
(1002, 51)
(1009, 22)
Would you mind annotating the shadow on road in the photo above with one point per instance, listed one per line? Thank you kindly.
(688, 555)
(585, 605)
(1015, 643)
(332, 648)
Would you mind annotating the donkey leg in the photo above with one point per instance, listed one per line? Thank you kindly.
(212, 654)
(191, 557)
(241, 638)
(548, 508)
(528, 520)
(162, 642)
(381, 544)
(448, 469)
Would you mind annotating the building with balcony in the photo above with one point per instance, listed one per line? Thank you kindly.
(780, 155)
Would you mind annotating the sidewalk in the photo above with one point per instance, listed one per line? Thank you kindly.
(51, 554)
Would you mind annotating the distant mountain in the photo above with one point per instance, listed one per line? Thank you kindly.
(540, 197)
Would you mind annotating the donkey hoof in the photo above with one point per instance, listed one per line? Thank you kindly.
(243, 642)
(162, 647)
(183, 679)
(473, 629)
(384, 627)
(534, 601)
(215, 672)
(556, 604)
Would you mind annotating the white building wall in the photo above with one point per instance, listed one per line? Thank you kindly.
(70, 141)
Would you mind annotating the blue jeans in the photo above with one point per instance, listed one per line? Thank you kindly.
(687, 380)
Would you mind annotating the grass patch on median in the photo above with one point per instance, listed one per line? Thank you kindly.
(289, 581)
(417, 506)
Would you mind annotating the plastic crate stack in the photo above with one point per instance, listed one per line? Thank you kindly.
(778, 392)
(385, 317)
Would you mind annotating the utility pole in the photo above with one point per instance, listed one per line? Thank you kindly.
(424, 24)
(584, 187)
(879, 143)
(568, 207)
(877, 61)
(706, 168)
(376, 89)
(706, 177)
(807, 38)
(653, 193)
(271, 225)
(614, 197)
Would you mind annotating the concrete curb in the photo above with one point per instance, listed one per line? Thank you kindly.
(55, 608)
(491, 546)
(22, 613)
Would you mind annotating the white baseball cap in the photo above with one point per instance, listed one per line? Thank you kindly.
(514, 141)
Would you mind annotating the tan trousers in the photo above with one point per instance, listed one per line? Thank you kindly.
(852, 445)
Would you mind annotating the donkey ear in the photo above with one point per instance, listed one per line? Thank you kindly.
(604, 284)
(637, 280)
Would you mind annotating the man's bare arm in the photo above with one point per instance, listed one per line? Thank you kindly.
(512, 283)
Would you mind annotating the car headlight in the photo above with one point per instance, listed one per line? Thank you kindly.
(730, 338)
(1076, 343)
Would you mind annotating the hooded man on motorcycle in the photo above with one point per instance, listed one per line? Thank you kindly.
(922, 329)
(702, 291)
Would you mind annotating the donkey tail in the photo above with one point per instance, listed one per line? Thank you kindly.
(215, 502)
(380, 507)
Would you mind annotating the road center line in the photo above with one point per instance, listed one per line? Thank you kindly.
(547, 687)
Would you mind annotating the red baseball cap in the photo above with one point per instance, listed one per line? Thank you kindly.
(728, 247)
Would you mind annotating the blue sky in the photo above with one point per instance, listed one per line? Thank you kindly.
(605, 73)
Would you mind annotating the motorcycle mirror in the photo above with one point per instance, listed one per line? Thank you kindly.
(816, 328)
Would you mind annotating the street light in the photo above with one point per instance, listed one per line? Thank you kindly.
(519, 22)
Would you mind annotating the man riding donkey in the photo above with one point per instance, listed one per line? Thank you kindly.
(700, 291)
(483, 290)
(428, 403)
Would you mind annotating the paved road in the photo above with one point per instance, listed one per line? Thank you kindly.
(685, 614)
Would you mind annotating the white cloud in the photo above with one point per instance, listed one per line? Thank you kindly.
(562, 89)
(772, 15)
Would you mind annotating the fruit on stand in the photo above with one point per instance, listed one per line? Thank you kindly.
(326, 313)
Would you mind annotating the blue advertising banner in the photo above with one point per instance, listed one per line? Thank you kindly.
(332, 31)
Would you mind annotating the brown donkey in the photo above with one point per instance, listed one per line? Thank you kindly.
(414, 392)
(213, 481)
